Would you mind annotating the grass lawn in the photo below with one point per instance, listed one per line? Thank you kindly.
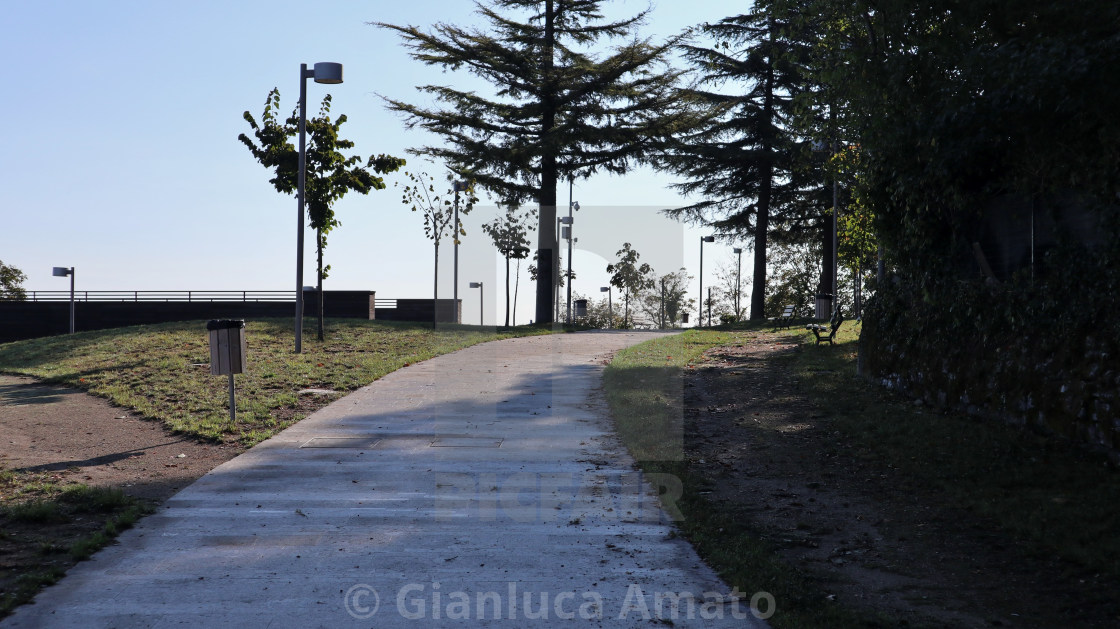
(1050, 497)
(163, 372)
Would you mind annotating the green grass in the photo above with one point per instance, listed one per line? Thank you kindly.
(1056, 498)
(46, 516)
(161, 371)
(644, 389)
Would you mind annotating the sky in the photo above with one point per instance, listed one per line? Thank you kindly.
(121, 156)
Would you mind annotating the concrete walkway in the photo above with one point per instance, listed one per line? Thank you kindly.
(480, 488)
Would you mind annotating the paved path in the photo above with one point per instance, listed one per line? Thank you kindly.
(480, 488)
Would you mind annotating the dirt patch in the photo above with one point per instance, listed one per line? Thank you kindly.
(76, 437)
(52, 437)
(870, 538)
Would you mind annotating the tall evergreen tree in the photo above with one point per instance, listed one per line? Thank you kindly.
(745, 162)
(559, 108)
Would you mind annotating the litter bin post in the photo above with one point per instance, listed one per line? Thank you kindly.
(581, 308)
(227, 353)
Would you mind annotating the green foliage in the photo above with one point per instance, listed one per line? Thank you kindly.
(11, 283)
(630, 277)
(663, 300)
(330, 175)
(1043, 356)
(951, 107)
(747, 162)
(510, 235)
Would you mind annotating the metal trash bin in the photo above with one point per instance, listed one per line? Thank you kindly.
(823, 309)
(581, 308)
(227, 346)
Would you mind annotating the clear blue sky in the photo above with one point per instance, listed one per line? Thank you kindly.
(121, 155)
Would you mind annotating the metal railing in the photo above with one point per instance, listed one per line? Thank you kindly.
(156, 295)
(179, 296)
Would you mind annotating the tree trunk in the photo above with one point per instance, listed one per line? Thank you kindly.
(766, 177)
(319, 286)
(507, 291)
(516, 285)
(546, 233)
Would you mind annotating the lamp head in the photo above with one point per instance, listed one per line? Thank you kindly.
(737, 250)
(327, 72)
(604, 289)
(60, 271)
(708, 238)
(476, 284)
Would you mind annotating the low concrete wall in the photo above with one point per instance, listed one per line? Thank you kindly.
(421, 310)
(32, 319)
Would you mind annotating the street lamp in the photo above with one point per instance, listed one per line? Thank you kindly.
(481, 299)
(330, 74)
(566, 233)
(738, 277)
(61, 271)
(458, 186)
(610, 306)
(703, 239)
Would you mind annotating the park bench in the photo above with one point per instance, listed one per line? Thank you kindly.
(833, 325)
(786, 317)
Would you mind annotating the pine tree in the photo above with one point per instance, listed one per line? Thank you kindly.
(558, 110)
(746, 162)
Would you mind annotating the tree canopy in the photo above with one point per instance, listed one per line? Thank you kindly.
(329, 173)
(11, 283)
(561, 106)
(746, 163)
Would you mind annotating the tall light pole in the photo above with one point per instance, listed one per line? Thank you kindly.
(481, 299)
(572, 205)
(61, 271)
(738, 276)
(330, 74)
(703, 239)
(458, 186)
(610, 306)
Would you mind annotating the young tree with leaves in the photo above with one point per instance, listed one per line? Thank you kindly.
(560, 109)
(11, 283)
(330, 174)
(510, 235)
(664, 299)
(746, 162)
(439, 219)
(630, 277)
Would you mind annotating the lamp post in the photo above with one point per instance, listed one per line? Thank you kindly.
(738, 277)
(481, 299)
(330, 74)
(572, 205)
(61, 271)
(566, 232)
(610, 306)
(703, 239)
(458, 186)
